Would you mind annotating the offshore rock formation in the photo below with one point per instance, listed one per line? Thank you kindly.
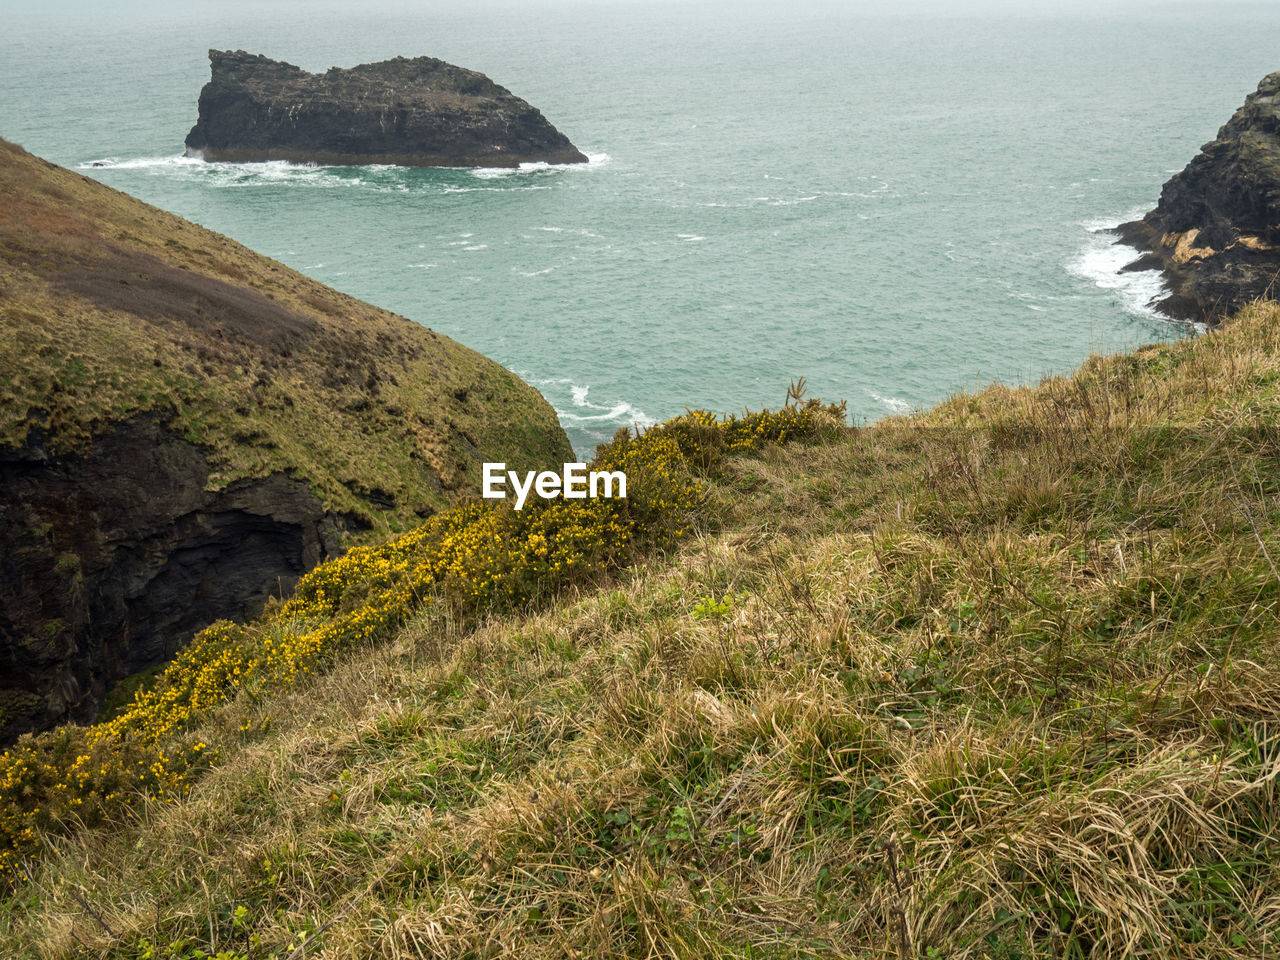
(1216, 230)
(420, 112)
(186, 427)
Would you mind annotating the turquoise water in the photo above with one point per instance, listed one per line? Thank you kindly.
(896, 205)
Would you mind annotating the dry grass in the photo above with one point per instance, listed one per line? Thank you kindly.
(996, 681)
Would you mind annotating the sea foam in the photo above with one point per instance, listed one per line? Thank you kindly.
(895, 405)
(594, 161)
(1102, 262)
(585, 421)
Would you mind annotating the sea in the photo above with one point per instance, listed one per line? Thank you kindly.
(896, 201)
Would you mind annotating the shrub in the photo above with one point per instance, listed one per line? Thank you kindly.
(479, 557)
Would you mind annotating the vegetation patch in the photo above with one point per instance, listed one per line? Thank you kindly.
(997, 680)
(479, 558)
(112, 309)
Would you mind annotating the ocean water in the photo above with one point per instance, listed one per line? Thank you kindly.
(895, 201)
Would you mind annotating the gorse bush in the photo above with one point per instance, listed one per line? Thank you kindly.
(477, 558)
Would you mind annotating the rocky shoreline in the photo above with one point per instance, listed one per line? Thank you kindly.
(1215, 233)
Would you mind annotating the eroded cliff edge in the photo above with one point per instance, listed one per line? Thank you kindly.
(186, 427)
(419, 112)
(110, 559)
(1216, 230)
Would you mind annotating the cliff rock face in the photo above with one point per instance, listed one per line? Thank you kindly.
(186, 427)
(1216, 230)
(111, 558)
(420, 112)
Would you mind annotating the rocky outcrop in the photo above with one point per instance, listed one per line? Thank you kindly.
(186, 427)
(1216, 231)
(419, 112)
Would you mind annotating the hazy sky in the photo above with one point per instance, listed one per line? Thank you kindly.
(1020, 8)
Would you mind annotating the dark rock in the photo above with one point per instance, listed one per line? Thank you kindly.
(142, 556)
(1216, 230)
(420, 112)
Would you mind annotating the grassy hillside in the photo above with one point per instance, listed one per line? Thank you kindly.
(997, 680)
(111, 308)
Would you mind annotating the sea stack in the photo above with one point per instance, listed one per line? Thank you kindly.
(1216, 231)
(421, 112)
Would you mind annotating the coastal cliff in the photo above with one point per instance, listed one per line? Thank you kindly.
(186, 427)
(419, 112)
(1216, 230)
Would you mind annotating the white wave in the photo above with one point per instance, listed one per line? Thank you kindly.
(283, 170)
(385, 177)
(785, 201)
(1102, 261)
(379, 178)
(1104, 224)
(573, 404)
(533, 273)
(142, 163)
(892, 404)
(524, 187)
(623, 414)
(878, 192)
(476, 246)
(690, 237)
(594, 160)
(880, 187)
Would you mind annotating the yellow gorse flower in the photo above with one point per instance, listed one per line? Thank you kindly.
(476, 557)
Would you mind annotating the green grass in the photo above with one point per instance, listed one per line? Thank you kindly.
(114, 309)
(997, 680)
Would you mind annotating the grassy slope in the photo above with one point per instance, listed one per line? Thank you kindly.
(998, 680)
(111, 308)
